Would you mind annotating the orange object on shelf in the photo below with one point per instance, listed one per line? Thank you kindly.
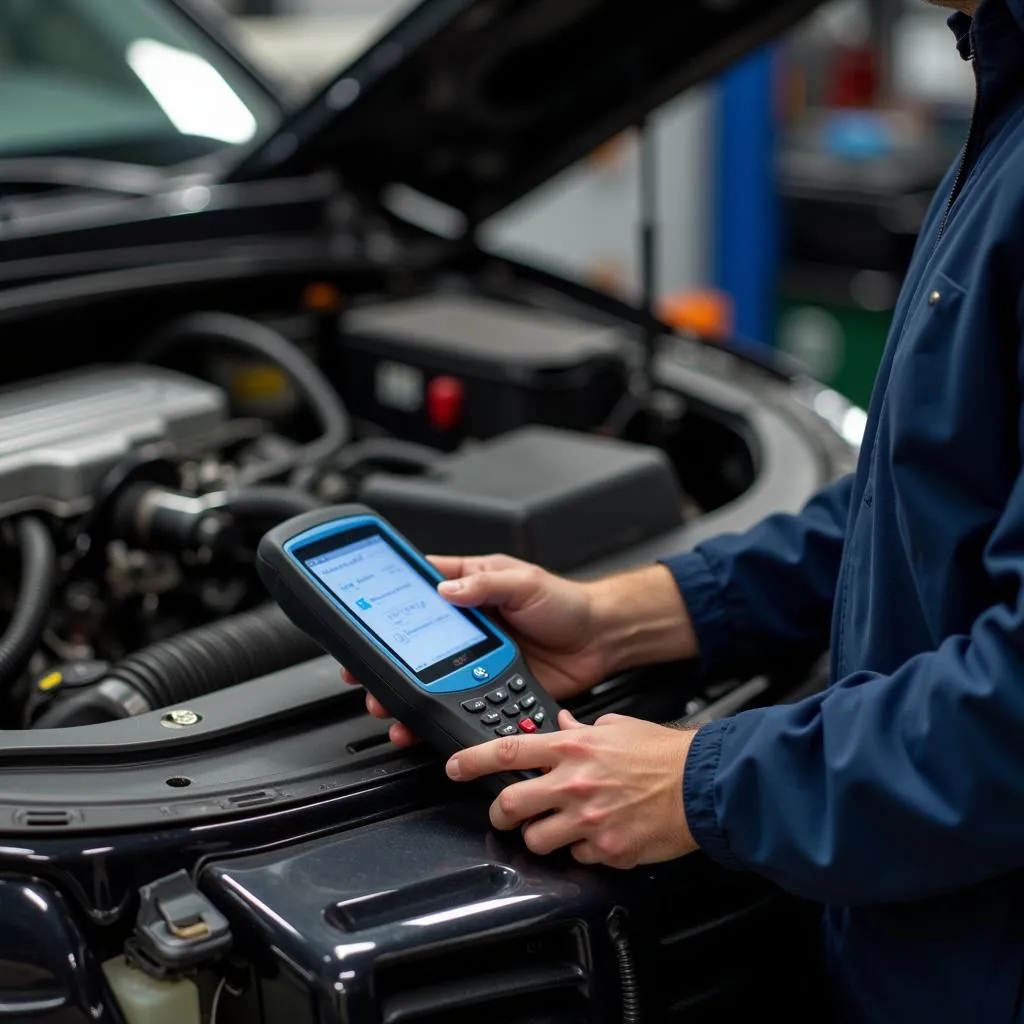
(704, 312)
(321, 297)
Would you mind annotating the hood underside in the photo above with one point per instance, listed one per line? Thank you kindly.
(474, 103)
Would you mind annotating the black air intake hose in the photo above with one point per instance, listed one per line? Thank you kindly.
(215, 656)
(157, 517)
(32, 604)
(191, 664)
(268, 502)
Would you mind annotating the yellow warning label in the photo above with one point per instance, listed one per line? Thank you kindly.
(50, 681)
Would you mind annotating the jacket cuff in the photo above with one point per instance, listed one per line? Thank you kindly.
(706, 605)
(699, 793)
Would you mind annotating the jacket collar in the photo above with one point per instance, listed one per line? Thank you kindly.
(994, 40)
(960, 24)
(1001, 20)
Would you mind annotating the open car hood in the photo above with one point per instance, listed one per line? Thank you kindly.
(474, 103)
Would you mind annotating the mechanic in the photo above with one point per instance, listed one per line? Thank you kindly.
(895, 797)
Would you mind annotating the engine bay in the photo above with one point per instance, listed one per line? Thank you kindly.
(490, 408)
(133, 490)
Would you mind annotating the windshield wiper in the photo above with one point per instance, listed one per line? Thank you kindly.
(81, 173)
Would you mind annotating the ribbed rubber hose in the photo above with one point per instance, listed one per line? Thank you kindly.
(191, 664)
(32, 604)
(216, 656)
(238, 332)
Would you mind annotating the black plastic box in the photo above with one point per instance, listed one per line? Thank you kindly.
(515, 366)
(553, 497)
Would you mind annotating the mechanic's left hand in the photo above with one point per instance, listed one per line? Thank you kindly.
(615, 789)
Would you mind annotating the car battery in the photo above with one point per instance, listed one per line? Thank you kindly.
(442, 368)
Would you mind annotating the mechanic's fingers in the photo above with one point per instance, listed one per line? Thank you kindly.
(499, 587)
(400, 735)
(510, 753)
(454, 566)
(612, 720)
(522, 801)
(584, 852)
(567, 721)
(448, 566)
(375, 707)
(550, 834)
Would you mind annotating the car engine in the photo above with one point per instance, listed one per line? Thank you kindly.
(132, 497)
(61, 436)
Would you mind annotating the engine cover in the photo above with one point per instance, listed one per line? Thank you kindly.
(60, 435)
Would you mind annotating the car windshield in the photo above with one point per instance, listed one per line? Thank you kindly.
(129, 80)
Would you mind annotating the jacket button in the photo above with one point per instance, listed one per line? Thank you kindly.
(934, 298)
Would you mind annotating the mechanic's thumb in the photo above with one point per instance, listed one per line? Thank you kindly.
(497, 587)
(567, 721)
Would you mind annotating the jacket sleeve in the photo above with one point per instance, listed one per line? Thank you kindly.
(764, 597)
(884, 787)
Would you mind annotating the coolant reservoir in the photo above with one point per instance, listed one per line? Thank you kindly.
(146, 1000)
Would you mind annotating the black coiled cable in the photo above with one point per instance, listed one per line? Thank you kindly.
(238, 332)
(32, 604)
(628, 985)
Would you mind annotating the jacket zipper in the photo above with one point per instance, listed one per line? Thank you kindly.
(958, 182)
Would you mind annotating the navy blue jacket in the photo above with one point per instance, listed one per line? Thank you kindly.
(896, 797)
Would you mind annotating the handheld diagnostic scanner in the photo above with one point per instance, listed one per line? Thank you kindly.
(361, 590)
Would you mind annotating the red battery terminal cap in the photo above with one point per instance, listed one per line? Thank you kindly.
(445, 398)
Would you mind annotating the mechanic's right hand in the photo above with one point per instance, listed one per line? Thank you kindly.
(551, 618)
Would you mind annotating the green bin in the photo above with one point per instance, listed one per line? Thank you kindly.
(838, 343)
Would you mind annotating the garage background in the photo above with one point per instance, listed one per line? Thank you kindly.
(788, 194)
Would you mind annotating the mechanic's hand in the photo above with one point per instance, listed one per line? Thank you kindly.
(551, 618)
(614, 789)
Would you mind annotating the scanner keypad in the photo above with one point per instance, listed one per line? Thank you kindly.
(511, 701)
